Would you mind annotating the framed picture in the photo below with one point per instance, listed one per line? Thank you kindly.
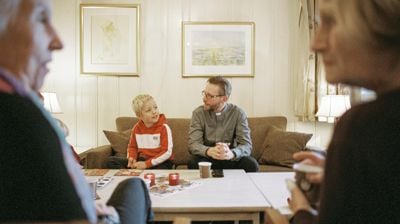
(218, 48)
(110, 39)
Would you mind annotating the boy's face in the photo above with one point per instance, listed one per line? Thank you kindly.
(149, 113)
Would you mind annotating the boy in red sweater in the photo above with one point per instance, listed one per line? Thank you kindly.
(150, 144)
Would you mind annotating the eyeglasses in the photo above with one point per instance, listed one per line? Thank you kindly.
(209, 96)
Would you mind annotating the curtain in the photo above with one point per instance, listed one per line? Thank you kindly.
(310, 82)
(305, 63)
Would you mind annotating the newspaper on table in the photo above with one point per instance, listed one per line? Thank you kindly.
(162, 189)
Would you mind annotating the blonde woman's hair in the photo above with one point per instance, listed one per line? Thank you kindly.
(139, 101)
(377, 22)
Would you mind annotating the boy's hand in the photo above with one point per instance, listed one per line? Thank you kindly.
(131, 162)
(140, 165)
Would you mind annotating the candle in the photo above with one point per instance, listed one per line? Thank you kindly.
(152, 178)
(173, 179)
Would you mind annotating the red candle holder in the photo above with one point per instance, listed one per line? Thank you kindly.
(173, 179)
(152, 178)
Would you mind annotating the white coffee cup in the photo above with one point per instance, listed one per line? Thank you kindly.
(92, 186)
(310, 190)
(205, 169)
(147, 182)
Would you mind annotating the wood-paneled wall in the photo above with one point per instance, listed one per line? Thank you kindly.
(91, 103)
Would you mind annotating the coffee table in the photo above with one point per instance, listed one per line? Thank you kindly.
(233, 197)
(273, 187)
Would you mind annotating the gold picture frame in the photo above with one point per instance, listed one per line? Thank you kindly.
(109, 37)
(218, 48)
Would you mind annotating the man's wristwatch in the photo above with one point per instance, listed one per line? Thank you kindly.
(234, 156)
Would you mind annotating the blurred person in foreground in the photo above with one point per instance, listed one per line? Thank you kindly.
(359, 41)
(40, 180)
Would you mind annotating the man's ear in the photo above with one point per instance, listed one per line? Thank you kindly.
(225, 98)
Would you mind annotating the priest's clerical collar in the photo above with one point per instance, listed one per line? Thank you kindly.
(223, 109)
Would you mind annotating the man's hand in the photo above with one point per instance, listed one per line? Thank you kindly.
(220, 152)
(312, 159)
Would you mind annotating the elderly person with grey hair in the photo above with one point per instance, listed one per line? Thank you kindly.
(359, 41)
(41, 182)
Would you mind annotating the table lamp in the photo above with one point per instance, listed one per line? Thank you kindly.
(51, 104)
(332, 107)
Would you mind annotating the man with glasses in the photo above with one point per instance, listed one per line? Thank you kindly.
(219, 132)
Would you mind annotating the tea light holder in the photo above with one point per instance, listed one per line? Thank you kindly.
(173, 179)
(151, 177)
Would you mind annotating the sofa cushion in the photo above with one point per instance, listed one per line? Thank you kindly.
(119, 141)
(274, 168)
(259, 127)
(279, 146)
(180, 137)
(257, 134)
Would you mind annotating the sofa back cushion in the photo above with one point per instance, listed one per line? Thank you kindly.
(180, 137)
(180, 130)
(125, 123)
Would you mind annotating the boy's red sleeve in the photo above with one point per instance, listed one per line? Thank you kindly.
(132, 145)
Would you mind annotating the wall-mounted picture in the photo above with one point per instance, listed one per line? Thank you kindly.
(217, 48)
(110, 39)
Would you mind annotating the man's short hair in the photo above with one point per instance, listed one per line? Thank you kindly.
(139, 101)
(223, 83)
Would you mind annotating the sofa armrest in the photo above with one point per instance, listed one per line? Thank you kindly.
(82, 158)
(96, 157)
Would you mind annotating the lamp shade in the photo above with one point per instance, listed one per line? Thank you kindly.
(51, 102)
(332, 107)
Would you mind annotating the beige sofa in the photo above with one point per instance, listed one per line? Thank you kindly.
(271, 143)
